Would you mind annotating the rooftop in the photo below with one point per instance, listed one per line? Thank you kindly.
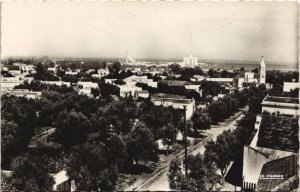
(175, 100)
(175, 82)
(282, 99)
(278, 132)
(285, 167)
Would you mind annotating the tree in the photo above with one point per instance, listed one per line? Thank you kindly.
(31, 174)
(95, 92)
(40, 71)
(139, 144)
(115, 150)
(89, 169)
(175, 175)
(71, 128)
(202, 176)
(222, 151)
(201, 120)
(114, 68)
(19, 122)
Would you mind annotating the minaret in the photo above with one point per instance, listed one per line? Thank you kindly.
(262, 73)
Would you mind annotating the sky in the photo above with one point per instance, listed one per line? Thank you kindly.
(219, 30)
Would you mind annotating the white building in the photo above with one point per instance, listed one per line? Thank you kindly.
(288, 86)
(52, 69)
(62, 182)
(103, 72)
(142, 94)
(249, 75)
(25, 93)
(178, 104)
(87, 85)
(126, 91)
(132, 80)
(58, 83)
(190, 61)
(26, 68)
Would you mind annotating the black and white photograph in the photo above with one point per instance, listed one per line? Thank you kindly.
(149, 95)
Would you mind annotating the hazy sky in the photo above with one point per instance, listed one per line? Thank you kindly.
(220, 30)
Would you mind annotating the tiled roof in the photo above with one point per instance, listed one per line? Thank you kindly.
(275, 172)
(278, 132)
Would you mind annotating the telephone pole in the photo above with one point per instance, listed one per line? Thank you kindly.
(185, 141)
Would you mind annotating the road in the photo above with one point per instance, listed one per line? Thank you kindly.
(160, 182)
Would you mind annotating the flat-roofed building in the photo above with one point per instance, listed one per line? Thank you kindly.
(58, 83)
(282, 105)
(132, 80)
(289, 86)
(142, 94)
(177, 103)
(26, 68)
(25, 93)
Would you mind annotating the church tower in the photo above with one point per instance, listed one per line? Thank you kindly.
(262, 71)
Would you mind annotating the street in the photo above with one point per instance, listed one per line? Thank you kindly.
(160, 181)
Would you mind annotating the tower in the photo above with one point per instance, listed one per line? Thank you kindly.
(262, 71)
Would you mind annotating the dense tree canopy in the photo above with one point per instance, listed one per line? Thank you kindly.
(71, 128)
(31, 174)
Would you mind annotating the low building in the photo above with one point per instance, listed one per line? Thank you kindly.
(177, 103)
(289, 86)
(247, 82)
(132, 80)
(52, 69)
(8, 83)
(283, 105)
(26, 68)
(249, 75)
(62, 182)
(142, 94)
(87, 84)
(127, 91)
(109, 81)
(103, 72)
(25, 93)
(58, 83)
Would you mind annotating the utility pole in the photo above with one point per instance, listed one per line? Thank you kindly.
(185, 141)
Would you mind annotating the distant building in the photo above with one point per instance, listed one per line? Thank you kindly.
(26, 68)
(190, 61)
(103, 72)
(52, 69)
(127, 91)
(132, 80)
(249, 75)
(289, 86)
(87, 85)
(25, 93)
(58, 83)
(142, 94)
